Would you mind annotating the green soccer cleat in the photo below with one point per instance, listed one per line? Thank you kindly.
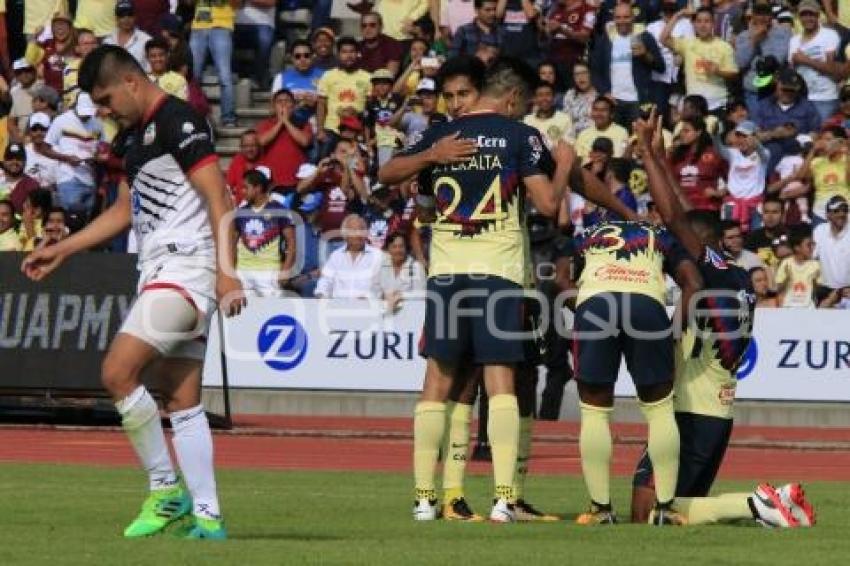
(160, 509)
(212, 529)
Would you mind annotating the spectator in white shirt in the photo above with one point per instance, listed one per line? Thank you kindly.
(748, 161)
(40, 167)
(127, 35)
(812, 53)
(352, 271)
(832, 245)
(73, 138)
(401, 275)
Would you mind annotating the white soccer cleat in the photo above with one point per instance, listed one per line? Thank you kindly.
(503, 512)
(794, 498)
(771, 511)
(425, 510)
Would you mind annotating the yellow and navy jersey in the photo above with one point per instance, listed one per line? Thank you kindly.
(626, 257)
(480, 203)
(709, 354)
(261, 245)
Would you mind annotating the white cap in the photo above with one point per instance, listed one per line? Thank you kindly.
(21, 64)
(85, 106)
(267, 173)
(40, 119)
(804, 139)
(305, 171)
(427, 84)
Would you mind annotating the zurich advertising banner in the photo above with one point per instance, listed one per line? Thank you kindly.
(800, 355)
(319, 344)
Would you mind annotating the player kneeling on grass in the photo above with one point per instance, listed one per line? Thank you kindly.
(176, 203)
(620, 312)
(707, 358)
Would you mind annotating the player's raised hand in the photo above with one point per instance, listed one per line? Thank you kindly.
(231, 296)
(453, 149)
(42, 262)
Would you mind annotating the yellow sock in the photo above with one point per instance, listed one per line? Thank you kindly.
(503, 429)
(705, 510)
(522, 456)
(663, 446)
(429, 425)
(459, 416)
(596, 447)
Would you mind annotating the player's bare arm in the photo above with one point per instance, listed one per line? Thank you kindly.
(663, 193)
(545, 194)
(450, 149)
(209, 181)
(114, 220)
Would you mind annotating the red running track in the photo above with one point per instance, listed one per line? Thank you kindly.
(393, 452)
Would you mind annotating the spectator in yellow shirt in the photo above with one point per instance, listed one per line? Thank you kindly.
(798, 275)
(708, 60)
(212, 30)
(10, 240)
(602, 114)
(552, 124)
(157, 53)
(343, 91)
(398, 15)
(86, 43)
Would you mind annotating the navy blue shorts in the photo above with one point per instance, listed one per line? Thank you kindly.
(703, 444)
(611, 326)
(474, 318)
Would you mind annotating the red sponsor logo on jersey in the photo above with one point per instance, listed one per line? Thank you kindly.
(622, 274)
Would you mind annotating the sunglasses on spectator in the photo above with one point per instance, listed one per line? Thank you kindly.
(840, 208)
(38, 129)
(301, 55)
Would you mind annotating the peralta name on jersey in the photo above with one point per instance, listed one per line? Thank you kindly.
(480, 162)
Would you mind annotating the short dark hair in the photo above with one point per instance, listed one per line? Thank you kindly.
(285, 91)
(254, 177)
(705, 220)
(347, 40)
(42, 199)
(58, 210)
(772, 198)
(105, 65)
(698, 101)
(248, 132)
(462, 66)
(798, 233)
(395, 235)
(605, 100)
(729, 225)
(545, 84)
(480, 3)
(426, 24)
(157, 43)
(704, 10)
(374, 14)
(300, 43)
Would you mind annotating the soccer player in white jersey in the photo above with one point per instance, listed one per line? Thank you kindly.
(177, 203)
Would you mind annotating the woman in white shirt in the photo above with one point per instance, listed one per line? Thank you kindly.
(401, 275)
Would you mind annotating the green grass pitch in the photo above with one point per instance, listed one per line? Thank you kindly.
(63, 515)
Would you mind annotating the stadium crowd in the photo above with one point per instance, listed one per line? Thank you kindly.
(754, 94)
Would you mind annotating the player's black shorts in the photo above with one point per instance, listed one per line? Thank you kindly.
(534, 345)
(633, 326)
(473, 317)
(703, 444)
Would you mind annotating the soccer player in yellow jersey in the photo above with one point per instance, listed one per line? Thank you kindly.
(707, 358)
(620, 313)
(477, 270)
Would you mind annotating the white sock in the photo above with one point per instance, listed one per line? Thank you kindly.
(194, 448)
(140, 419)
